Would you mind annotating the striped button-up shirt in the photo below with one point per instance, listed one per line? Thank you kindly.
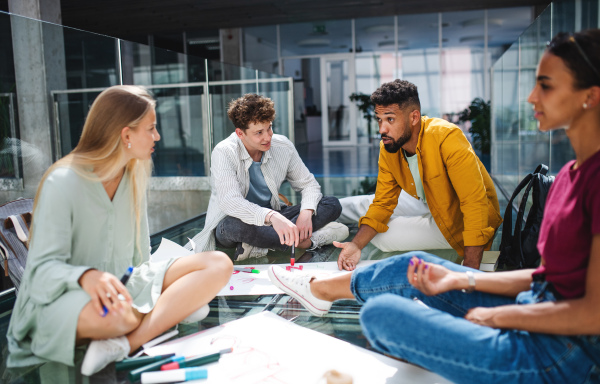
(230, 181)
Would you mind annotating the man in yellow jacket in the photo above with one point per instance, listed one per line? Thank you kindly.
(431, 160)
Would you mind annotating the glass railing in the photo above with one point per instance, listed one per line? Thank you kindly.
(72, 67)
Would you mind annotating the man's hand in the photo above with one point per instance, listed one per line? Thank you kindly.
(473, 257)
(287, 231)
(304, 224)
(104, 290)
(349, 257)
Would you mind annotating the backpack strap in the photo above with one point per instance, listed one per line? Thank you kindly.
(517, 240)
(507, 230)
(541, 169)
(19, 229)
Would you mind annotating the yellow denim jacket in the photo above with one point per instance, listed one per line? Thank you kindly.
(459, 191)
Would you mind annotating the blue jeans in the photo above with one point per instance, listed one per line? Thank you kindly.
(439, 339)
(231, 230)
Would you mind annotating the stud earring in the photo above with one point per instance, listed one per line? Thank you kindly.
(129, 145)
(584, 105)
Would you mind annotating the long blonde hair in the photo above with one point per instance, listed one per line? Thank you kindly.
(99, 155)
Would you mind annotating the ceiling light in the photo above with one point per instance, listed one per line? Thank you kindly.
(379, 28)
(314, 43)
(481, 21)
(468, 39)
(202, 41)
(390, 43)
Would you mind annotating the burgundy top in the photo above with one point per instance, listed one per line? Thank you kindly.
(571, 219)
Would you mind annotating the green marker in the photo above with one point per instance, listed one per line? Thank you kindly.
(137, 362)
(246, 269)
(195, 361)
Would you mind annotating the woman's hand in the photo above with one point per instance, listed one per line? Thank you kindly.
(105, 290)
(431, 279)
(482, 316)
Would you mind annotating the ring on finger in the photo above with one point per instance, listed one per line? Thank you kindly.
(108, 294)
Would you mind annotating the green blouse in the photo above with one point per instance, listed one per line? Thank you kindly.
(76, 227)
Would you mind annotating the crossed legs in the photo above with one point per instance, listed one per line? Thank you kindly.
(189, 283)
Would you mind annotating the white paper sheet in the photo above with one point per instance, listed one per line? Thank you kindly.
(168, 250)
(242, 283)
(269, 349)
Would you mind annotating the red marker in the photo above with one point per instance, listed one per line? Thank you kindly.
(293, 258)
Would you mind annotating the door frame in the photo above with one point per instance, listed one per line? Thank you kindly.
(349, 57)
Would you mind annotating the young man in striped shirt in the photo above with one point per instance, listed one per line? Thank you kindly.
(247, 170)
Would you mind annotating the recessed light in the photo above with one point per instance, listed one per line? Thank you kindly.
(314, 43)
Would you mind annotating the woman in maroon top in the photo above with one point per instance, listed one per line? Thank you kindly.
(525, 326)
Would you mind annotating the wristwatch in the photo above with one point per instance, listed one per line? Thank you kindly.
(471, 278)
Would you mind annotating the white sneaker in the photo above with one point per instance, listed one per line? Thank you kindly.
(297, 285)
(333, 231)
(196, 316)
(100, 353)
(246, 251)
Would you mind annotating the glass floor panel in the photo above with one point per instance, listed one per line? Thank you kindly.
(341, 322)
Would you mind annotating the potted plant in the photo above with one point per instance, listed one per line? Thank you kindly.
(478, 113)
(367, 107)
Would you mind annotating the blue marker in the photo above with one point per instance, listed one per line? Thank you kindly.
(124, 280)
(175, 375)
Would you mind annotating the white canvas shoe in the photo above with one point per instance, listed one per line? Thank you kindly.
(246, 251)
(333, 231)
(297, 285)
(197, 316)
(100, 353)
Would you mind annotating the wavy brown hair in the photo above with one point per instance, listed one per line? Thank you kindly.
(251, 109)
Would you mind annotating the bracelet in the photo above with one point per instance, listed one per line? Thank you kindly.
(471, 278)
(268, 218)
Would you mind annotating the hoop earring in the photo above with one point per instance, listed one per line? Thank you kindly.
(585, 106)
(129, 145)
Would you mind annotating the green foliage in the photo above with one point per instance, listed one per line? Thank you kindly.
(367, 187)
(479, 114)
(366, 106)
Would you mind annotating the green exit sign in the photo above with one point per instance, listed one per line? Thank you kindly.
(319, 29)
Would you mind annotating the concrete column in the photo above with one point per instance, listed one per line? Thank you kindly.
(39, 56)
(231, 45)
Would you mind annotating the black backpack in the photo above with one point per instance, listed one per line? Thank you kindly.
(15, 220)
(518, 250)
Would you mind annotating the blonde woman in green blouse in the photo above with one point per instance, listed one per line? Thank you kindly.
(89, 225)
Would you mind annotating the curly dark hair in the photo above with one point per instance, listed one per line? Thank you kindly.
(251, 109)
(400, 92)
(580, 52)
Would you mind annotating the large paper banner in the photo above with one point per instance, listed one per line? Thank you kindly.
(269, 349)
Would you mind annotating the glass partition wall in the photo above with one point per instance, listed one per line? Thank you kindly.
(517, 145)
(50, 75)
(192, 93)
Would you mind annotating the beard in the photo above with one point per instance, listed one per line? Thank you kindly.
(395, 146)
